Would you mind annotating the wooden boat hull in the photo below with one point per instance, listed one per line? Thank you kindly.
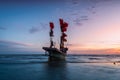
(55, 54)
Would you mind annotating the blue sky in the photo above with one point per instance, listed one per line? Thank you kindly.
(27, 23)
(93, 25)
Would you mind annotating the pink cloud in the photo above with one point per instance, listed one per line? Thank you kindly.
(4, 42)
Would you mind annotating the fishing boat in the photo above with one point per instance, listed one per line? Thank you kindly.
(57, 54)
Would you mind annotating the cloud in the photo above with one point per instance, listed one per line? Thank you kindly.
(13, 43)
(76, 45)
(79, 21)
(34, 29)
(97, 51)
(13, 46)
(75, 2)
(37, 28)
(90, 49)
(2, 28)
(81, 10)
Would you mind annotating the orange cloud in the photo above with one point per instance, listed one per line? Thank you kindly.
(96, 51)
(93, 49)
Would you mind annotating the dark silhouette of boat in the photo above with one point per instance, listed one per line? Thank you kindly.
(54, 53)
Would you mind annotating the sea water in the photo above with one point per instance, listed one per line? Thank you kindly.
(76, 67)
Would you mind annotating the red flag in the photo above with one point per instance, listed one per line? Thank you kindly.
(64, 35)
(51, 25)
(64, 27)
(65, 24)
(61, 22)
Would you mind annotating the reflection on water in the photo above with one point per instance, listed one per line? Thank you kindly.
(56, 71)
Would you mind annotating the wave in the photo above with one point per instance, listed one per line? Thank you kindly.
(34, 59)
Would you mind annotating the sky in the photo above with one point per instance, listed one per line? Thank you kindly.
(94, 26)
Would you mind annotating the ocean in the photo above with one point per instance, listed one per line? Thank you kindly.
(76, 67)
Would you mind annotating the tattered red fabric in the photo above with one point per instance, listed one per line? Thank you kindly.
(64, 29)
(65, 24)
(51, 25)
(65, 40)
(61, 22)
(64, 35)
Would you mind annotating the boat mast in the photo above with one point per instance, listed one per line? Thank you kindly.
(63, 27)
(51, 34)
